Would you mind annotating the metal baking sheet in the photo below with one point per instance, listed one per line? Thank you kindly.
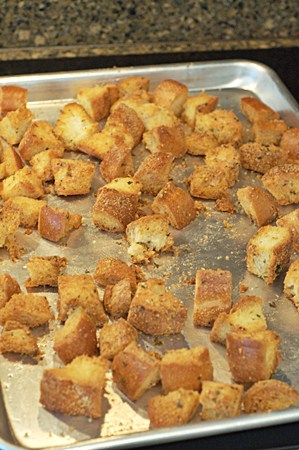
(211, 241)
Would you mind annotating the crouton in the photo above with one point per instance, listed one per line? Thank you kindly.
(259, 205)
(226, 158)
(44, 270)
(291, 283)
(269, 395)
(269, 131)
(54, 223)
(76, 337)
(132, 85)
(11, 161)
(117, 163)
(202, 103)
(14, 125)
(185, 368)
(254, 109)
(28, 209)
(223, 124)
(8, 287)
(97, 100)
(24, 183)
(110, 271)
(208, 183)
(225, 204)
(134, 101)
(171, 94)
(115, 337)
(125, 117)
(220, 400)
(154, 172)
(72, 177)
(213, 295)
(260, 157)
(135, 371)
(42, 164)
(291, 221)
(268, 252)
(147, 237)
(79, 290)
(154, 116)
(155, 310)
(165, 139)
(176, 205)
(12, 98)
(220, 328)
(174, 409)
(9, 223)
(102, 143)
(199, 143)
(283, 183)
(252, 356)
(289, 143)
(17, 338)
(31, 310)
(117, 298)
(73, 125)
(76, 389)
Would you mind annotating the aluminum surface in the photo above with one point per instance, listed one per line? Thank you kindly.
(216, 240)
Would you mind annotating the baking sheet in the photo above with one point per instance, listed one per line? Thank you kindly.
(210, 242)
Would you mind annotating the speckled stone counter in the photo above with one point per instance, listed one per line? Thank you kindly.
(31, 29)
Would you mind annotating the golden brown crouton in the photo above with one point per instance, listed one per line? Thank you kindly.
(14, 125)
(260, 157)
(154, 116)
(12, 98)
(76, 389)
(171, 94)
(289, 143)
(283, 183)
(117, 298)
(42, 163)
(133, 84)
(80, 290)
(111, 270)
(72, 176)
(76, 337)
(268, 252)
(166, 139)
(226, 158)
(259, 205)
(135, 371)
(97, 100)
(252, 356)
(213, 295)
(254, 109)
(29, 309)
(128, 120)
(223, 124)
(155, 310)
(44, 270)
(291, 283)
(11, 161)
(133, 100)
(154, 172)
(220, 328)
(185, 368)
(54, 223)
(220, 400)
(28, 209)
(102, 143)
(291, 221)
(8, 287)
(9, 223)
(17, 338)
(117, 163)
(174, 409)
(176, 205)
(269, 395)
(115, 337)
(24, 183)
(208, 182)
(199, 143)
(202, 103)
(269, 131)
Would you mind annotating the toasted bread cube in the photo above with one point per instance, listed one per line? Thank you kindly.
(97, 100)
(199, 143)
(154, 172)
(220, 400)
(176, 205)
(8, 287)
(76, 389)
(154, 116)
(165, 139)
(259, 205)
(291, 283)
(12, 98)
(28, 209)
(260, 157)
(111, 270)
(17, 338)
(9, 223)
(117, 298)
(222, 124)
(269, 131)
(29, 309)
(252, 356)
(14, 125)
(73, 125)
(128, 119)
(131, 85)
(291, 221)
(213, 295)
(42, 163)
(115, 337)
(174, 409)
(155, 310)
(11, 161)
(171, 94)
(54, 223)
(79, 290)
(202, 103)
(227, 158)
(24, 183)
(144, 367)
(208, 182)
(289, 143)
(39, 137)
(76, 337)
(254, 109)
(117, 163)
(269, 395)
(185, 368)
(134, 101)
(72, 177)
(283, 183)
(268, 252)
(44, 270)
(148, 236)
(220, 328)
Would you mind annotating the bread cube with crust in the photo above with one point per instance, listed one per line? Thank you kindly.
(208, 183)
(9, 223)
(97, 100)
(171, 94)
(199, 143)
(289, 143)
(72, 176)
(269, 131)
(155, 310)
(132, 85)
(8, 287)
(31, 310)
(260, 157)
(10, 161)
(153, 116)
(185, 368)
(291, 283)
(254, 109)
(117, 163)
(23, 182)
(55, 224)
(252, 356)
(268, 252)
(128, 120)
(28, 209)
(154, 172)
(110, 271)
(226, 158)
(75, 389)
(44, 270)
(17, 338)
(269, 395)
(39, 137)
(12, 98)
(220, 400)
(223, 124)
(73, 125)
(283, 183)
(165, 139)
(115, 337)
(291, 221)
(79, 290)
(213, 295)
(76, 337)
(14, 125)
(174, 409)
(260, 207)
(202, 103)
(134, 101)
(42, 164)
(117, 298)
(135, 370)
